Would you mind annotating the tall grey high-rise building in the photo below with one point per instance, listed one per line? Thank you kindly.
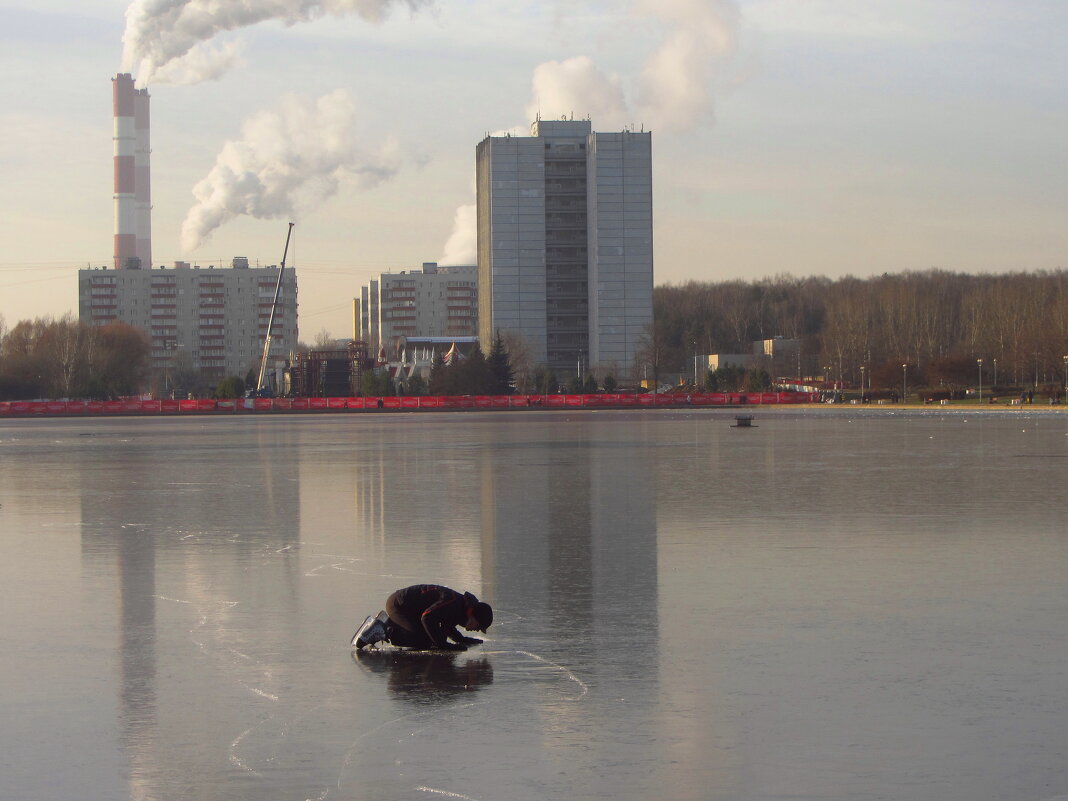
(565, 243)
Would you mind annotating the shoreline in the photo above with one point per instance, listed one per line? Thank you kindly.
(934, 407)
(230, 410)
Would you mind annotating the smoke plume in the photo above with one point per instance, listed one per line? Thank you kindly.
(577, 85)
(288, 159)
(676, 85)
(166, 40)
(674, 90)
(461, 247)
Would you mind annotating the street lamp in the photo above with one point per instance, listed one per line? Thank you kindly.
(980, 363)
(995, 375)
(904, 383)
(862, 383)
(1066, 379)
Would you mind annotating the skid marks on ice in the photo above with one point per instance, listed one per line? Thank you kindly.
(215, 640)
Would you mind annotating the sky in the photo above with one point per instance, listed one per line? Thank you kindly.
(800, 137)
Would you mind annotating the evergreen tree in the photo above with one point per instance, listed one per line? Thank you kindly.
(376, 384)
(439, 376)
(757, 380)
(500, 365)
(416, 385)
(367, 384)
(474, 376)
(230, 387)
(729, 378)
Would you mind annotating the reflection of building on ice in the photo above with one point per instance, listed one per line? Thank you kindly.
(569, 546)
(569, 532)
(405, 489)
(177, 593)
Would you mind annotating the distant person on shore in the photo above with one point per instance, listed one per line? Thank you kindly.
(426, 617)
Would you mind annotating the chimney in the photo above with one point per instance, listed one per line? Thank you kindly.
(133, 203)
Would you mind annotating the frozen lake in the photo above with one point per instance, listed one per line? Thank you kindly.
(837, 605)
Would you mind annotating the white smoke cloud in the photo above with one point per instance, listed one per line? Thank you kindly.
(161, 32)
(674, 90)
(203, 62)
(288, 159)
(461, 246)
(676, 84)
(577, 86)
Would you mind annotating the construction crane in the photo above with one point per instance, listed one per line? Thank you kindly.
(261, 382)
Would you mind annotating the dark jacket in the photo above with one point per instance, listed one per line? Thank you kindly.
(438, 610)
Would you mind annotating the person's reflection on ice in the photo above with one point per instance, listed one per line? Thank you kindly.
(428, 678)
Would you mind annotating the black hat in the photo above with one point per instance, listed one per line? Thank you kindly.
(483, 613)
(479, 610)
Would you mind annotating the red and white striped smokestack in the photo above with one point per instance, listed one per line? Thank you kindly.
(133, 225)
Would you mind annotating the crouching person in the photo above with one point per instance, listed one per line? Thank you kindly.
(426, 617)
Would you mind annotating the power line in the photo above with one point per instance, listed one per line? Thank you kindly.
(324, 309)
(35, 280)
(40, 266)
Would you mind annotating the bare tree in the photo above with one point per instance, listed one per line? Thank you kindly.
(324, 341)
(122, 358)
(847, 327)
(649, 356)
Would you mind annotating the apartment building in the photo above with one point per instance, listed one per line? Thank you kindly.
(433, 301)
(212, 318)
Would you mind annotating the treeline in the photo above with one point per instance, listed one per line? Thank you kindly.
(937, 324)
(65, 358)
(927, 328)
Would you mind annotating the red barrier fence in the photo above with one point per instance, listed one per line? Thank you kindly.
(135, 406)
